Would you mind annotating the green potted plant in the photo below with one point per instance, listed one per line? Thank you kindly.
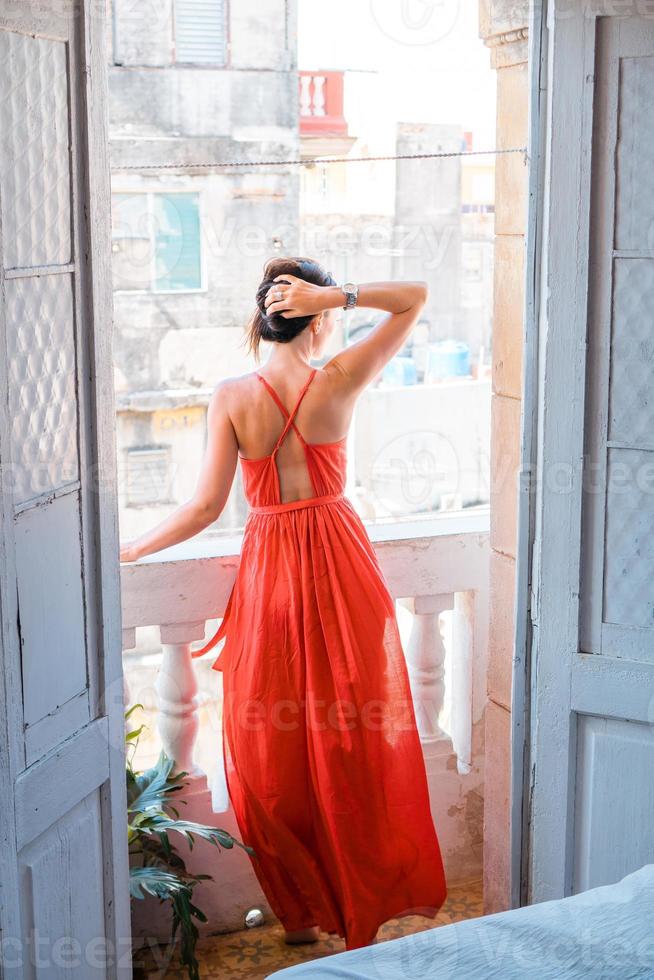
(156, 867)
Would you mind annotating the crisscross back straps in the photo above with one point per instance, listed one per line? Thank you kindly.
(290, 418)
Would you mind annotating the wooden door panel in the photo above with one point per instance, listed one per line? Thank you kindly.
(614, 800)
(634, 204)
(48, 558)
(61, 894)
(611, 731)
(591, 798)
(617, 594)
(631, 378)
(62, 780)
(629, 544)
(78, 766)
(34, 152)
(42, 385)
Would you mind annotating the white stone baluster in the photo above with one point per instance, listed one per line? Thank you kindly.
(467, 613)
(176, 688)
(425, 657)
(319, 95)
(305, 95)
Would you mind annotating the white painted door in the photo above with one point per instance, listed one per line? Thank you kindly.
(63, 863)
(592, 793)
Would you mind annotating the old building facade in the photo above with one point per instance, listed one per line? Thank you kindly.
(191, 83)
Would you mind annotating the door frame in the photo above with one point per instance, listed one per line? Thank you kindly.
(527, 547)
(98, 282)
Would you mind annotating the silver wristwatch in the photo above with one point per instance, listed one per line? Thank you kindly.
(351, 292)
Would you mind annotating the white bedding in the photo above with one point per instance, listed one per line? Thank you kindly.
(606, 933)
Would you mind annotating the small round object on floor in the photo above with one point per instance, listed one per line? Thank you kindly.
(254, 918)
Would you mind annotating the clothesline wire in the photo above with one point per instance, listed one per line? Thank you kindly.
(315, 161)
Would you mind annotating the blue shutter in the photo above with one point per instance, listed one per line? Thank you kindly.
(200, 32)
(177, 242)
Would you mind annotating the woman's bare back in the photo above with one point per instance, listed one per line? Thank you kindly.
(323, 417)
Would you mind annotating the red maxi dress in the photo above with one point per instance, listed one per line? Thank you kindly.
(323, 761)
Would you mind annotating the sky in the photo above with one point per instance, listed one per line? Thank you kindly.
(428, 62)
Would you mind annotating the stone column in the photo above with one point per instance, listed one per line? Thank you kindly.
(177, 689)
(425, 656)
(503, 27)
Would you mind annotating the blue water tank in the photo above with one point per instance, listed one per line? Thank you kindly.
(448, 359)
(400, 371)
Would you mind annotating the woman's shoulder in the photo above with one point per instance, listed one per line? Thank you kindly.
(233, 397)
(231, 391)
(235, 383)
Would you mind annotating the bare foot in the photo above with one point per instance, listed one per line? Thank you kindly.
(310, 935)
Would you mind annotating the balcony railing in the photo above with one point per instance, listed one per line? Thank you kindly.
(321, 104)
(433, 567)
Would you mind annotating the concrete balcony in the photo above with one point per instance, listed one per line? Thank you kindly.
(323, 126)
(437, 570)
(321, 103)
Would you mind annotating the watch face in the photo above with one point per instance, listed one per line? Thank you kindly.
(349, 287)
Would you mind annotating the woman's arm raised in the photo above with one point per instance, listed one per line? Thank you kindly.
(403, 302)
(360, 363)
(214, 483)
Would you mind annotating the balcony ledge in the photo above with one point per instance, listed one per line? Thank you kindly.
(191, 582)
(219, 545)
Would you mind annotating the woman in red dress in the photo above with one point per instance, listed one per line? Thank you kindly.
(322, 756)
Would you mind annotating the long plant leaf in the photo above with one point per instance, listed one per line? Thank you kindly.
(151, 788)
(161, 823)
(155, 881)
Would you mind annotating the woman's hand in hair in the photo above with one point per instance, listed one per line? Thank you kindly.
(291, 297)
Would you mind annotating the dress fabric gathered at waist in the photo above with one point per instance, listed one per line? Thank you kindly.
(328, 498)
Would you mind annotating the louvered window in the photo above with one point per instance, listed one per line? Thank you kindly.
(200, 34)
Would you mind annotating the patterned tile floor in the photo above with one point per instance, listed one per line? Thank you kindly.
(254, 954)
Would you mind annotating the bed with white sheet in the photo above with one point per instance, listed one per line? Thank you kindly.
(605, 933)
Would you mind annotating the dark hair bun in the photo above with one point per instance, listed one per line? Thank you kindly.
(274, 327)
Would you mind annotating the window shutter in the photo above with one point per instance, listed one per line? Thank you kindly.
(177, 242)
(200, 32)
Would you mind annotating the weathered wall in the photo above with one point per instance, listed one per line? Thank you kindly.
(162, 113)
(240, 217)
(503, 26)
(170, 349)
(431, 207)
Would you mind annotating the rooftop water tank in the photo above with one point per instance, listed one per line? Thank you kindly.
(448, 359)
(400, 371)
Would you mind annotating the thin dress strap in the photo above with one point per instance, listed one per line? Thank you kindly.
(290, 418)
